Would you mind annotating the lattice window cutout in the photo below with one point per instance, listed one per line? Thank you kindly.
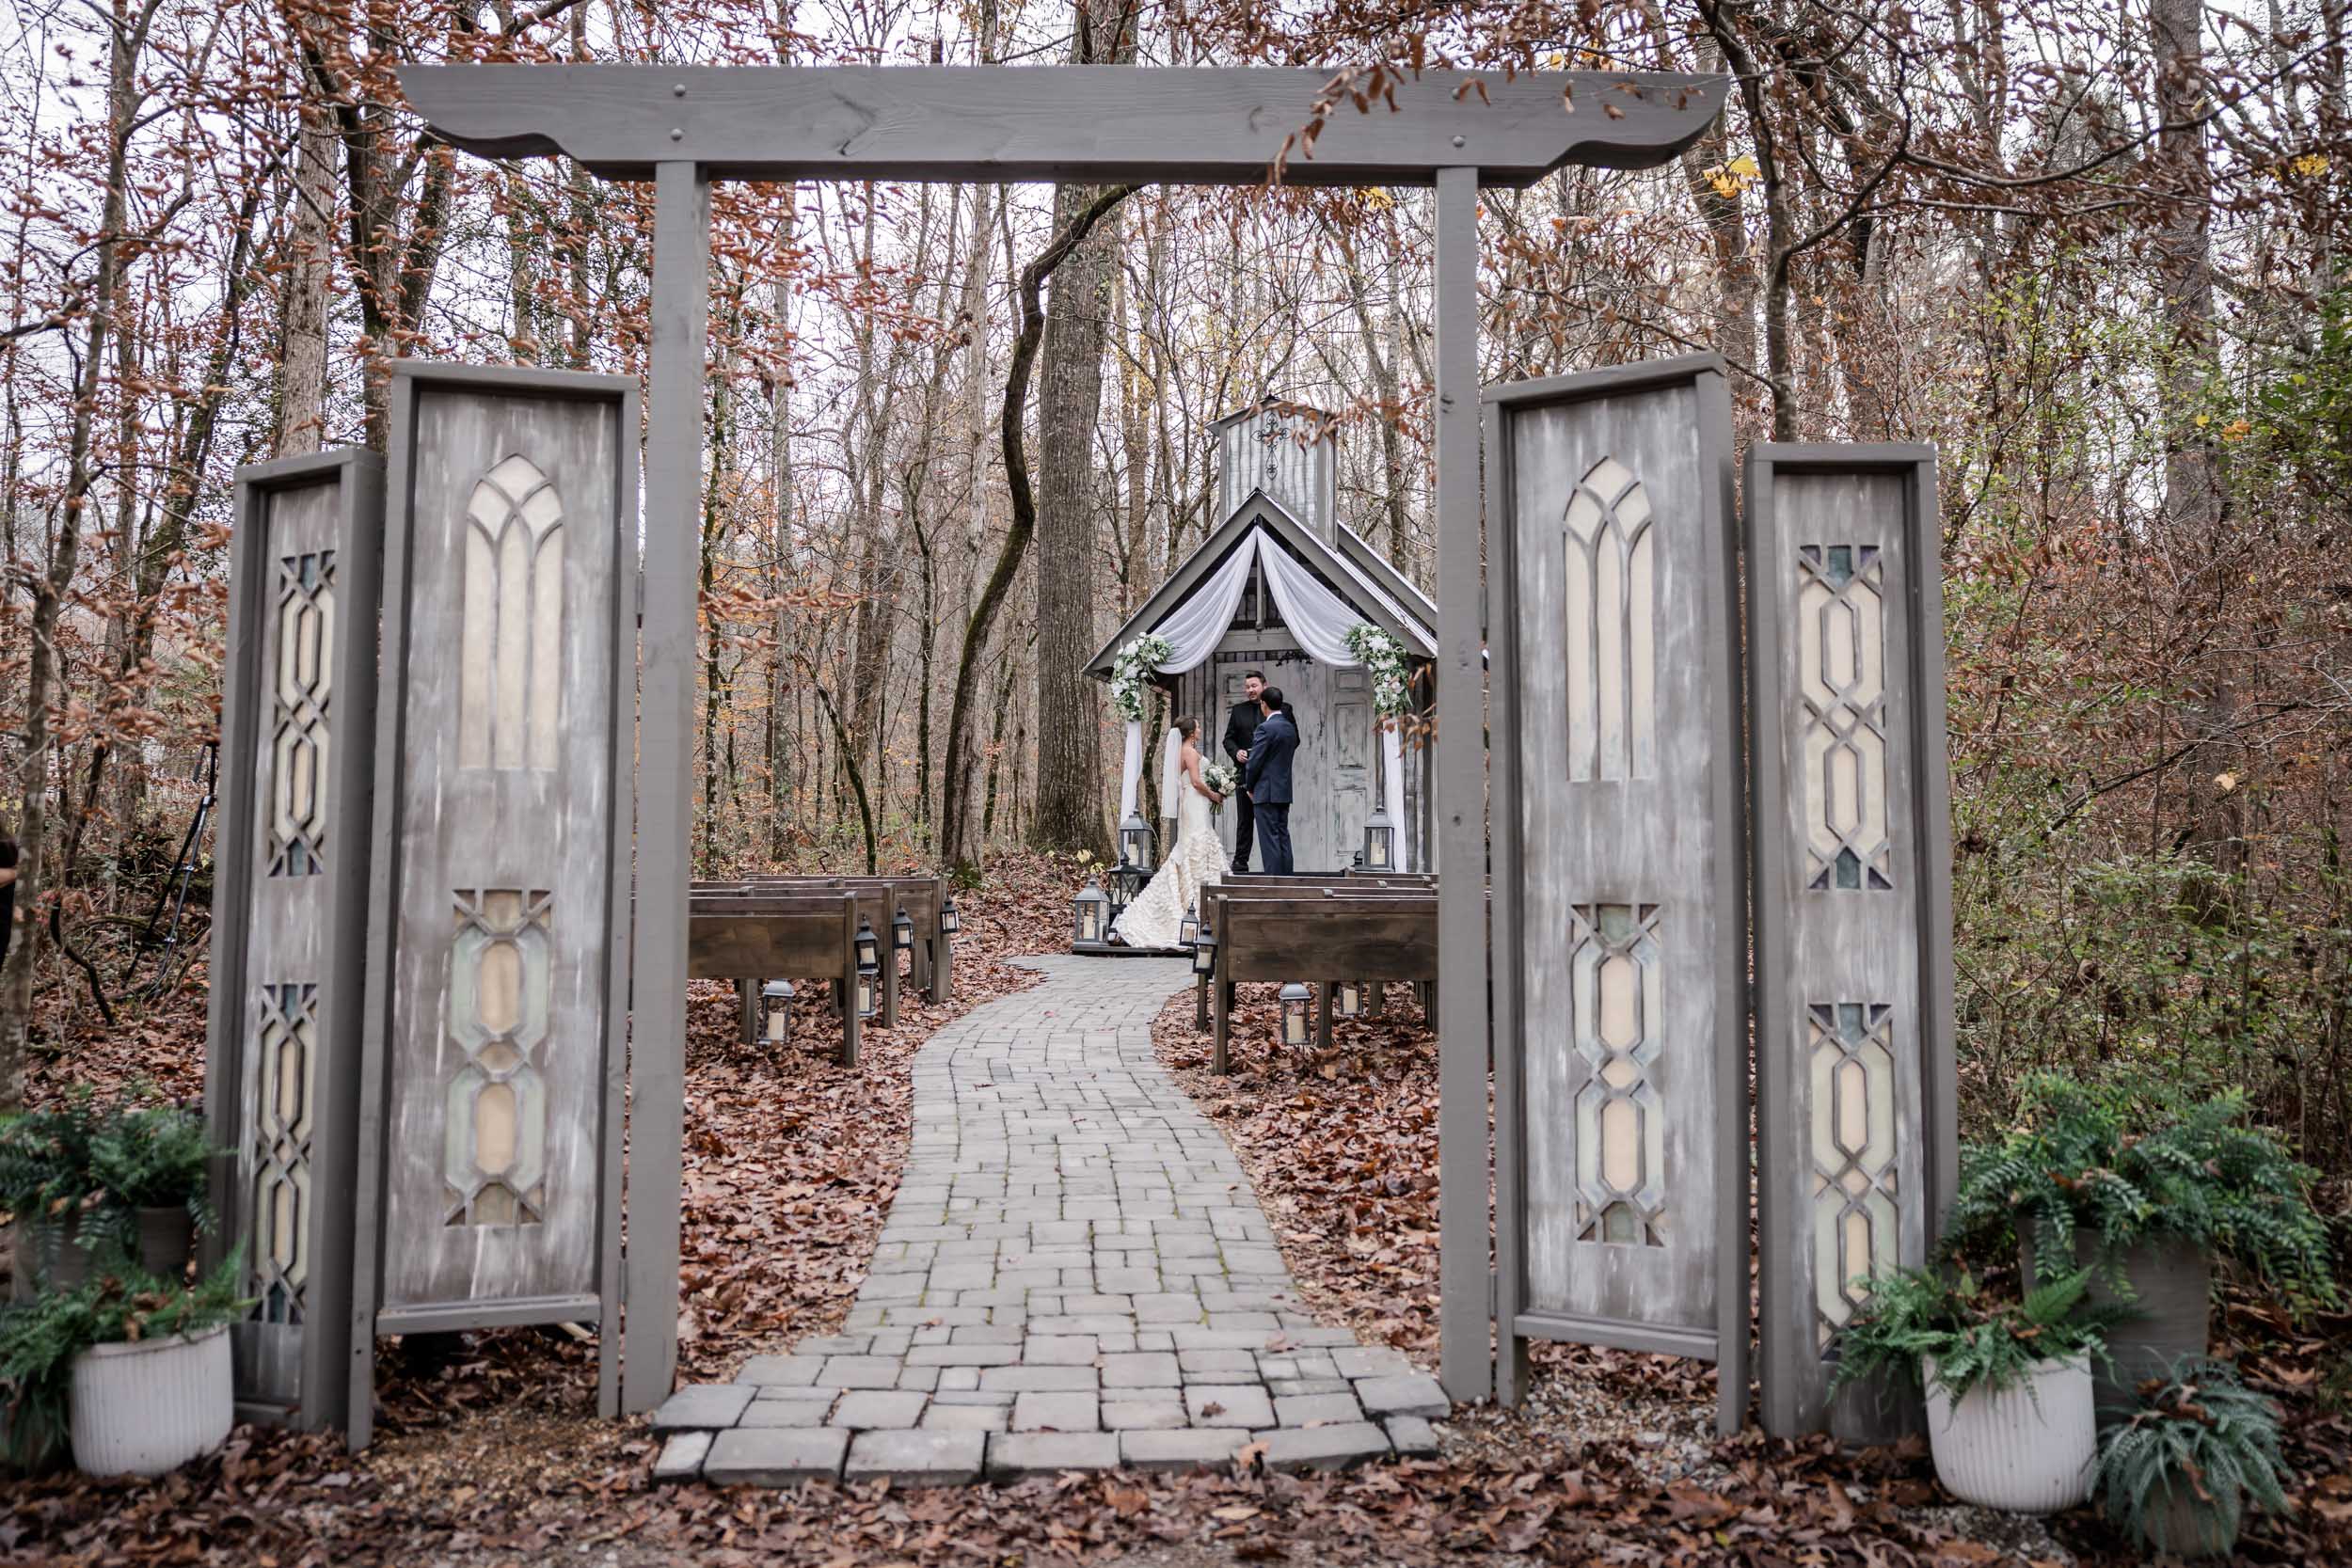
(284, 1058)
(510, 672)
(1850, 1050)
(299, 696)
(1610, 636)
(1841, 657)
(494, 1162)
(1617, 1024)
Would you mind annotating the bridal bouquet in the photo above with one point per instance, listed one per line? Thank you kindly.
(1220, 776)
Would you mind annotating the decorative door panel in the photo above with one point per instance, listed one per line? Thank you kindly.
(283, 1060)
(1349, 734)
(1852, 902)
(502, 944)
(1618, 864)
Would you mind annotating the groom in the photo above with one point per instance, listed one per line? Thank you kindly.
(1240, 724)
(1266, 777)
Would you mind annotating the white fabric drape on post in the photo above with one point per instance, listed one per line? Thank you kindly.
(1171, 760)
(1319, 618)
(1131, 770)
(1392, 792)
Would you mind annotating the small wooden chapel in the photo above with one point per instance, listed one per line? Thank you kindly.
(1273, 588)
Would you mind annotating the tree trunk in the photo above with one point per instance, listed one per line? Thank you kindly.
(2192, 473)
(957, 844)
(127, 41)
(309, 274)
(1069, 801)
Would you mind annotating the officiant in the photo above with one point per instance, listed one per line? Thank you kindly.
(1241, 722)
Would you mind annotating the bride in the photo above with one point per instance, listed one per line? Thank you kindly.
(1197, 862)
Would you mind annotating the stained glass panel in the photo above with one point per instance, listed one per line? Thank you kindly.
(493, 1165)
(1841, 666)
(1609, 630)
(1616, 1025)
(510, 657)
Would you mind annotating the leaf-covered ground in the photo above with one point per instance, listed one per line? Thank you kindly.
(489, 1452)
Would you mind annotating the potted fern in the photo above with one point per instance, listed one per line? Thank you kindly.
(2176, 1474)
(2146, 1185)
(47, 1187)
(2007, 1380)
(151, 1163)
(133, 1370)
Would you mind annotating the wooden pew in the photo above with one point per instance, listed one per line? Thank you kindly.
(752, 938)
(875, 905)
(931, 966)
(1266, 882)
(1267, 936)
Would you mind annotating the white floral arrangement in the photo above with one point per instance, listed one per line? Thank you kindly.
(1383, 656)
(1220, 777)
(1132, 670)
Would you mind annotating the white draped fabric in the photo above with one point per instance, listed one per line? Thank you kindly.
(1131, 770)
(1319, 618)
(1171, 764)
(1392, 770)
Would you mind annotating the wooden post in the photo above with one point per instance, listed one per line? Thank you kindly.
(673, 461)
(1466, 1315)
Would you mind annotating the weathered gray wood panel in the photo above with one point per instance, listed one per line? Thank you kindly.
(282, 1056)
(498, 952)
(1622, 1108)
(1097, 124)
(1854, 1075)
(1291, 458)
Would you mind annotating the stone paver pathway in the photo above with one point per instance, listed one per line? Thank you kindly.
(1076, 1275)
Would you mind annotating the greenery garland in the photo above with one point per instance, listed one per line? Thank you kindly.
(1132, 670)
(1384, 657)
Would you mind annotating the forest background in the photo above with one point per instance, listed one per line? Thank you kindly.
(2088, 249)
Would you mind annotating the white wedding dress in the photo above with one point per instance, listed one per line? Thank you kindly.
(1153, 920)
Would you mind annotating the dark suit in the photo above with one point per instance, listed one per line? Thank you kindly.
(1240, 724)
(1267, 777)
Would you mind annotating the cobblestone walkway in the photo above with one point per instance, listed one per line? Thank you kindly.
(1076, 1275)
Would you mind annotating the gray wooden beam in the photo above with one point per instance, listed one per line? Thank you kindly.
(1092, 124)
(1466, 1312)
(665, 809)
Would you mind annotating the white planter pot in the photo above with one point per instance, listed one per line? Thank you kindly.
(142, 1409)
(2029, 1448)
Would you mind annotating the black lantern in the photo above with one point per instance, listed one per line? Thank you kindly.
(1348, 999)
(1188, 928)
(903, 931)
(949, 921)
(869, 968)
(1204, 952)
(1136, 842)
(1090, 921)
(776, 996)
(1127, 881)
(1294, 1013)
(1379, 841)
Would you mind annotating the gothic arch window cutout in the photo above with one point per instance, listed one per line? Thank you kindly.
(511, 667)
(1841, 670)
(1611, 632)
